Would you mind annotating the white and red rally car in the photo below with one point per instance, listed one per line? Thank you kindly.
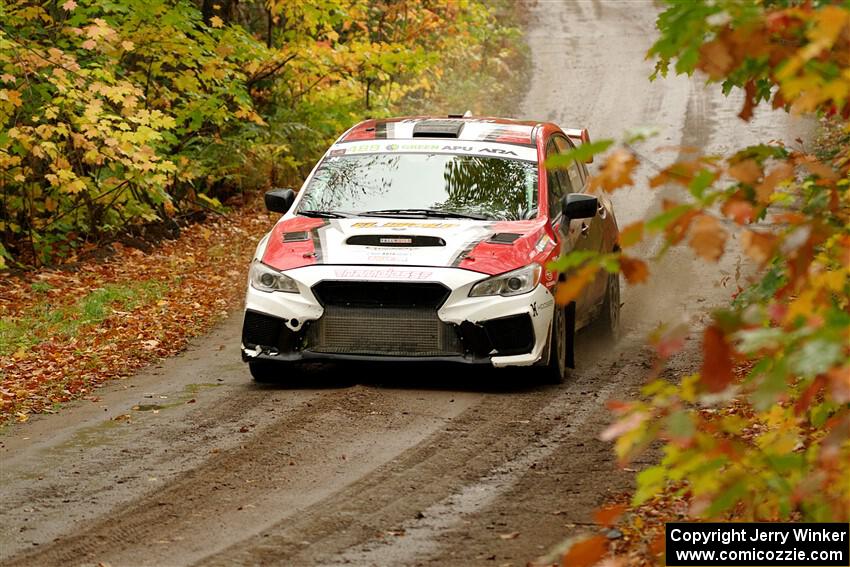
(428, 239)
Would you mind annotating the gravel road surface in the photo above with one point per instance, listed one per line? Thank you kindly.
(189, 462)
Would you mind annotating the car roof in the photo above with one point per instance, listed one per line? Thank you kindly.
(463, 128)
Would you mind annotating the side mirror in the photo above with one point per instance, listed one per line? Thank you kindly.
(579, 206)
(279, 200)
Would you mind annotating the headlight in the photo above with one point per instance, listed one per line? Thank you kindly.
(517, 282)
(265, 278)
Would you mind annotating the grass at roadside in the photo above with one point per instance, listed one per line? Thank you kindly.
(45, 321)
(65, 331)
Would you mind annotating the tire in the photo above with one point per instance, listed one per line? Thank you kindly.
(266, 372)
(559, 348)
(608, 322)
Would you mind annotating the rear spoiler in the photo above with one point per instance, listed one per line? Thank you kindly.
(579, 136)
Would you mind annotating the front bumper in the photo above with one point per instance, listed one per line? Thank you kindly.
(314, 324)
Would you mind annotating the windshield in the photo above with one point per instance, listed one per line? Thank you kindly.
(483, 187)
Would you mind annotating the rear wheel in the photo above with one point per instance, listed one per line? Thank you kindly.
(609, 318)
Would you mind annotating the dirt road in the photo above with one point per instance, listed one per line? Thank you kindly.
(191, 463)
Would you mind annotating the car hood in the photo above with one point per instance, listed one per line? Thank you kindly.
(490, 247)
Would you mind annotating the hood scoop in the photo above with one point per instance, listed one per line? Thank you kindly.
(394, 240)
(504, 237)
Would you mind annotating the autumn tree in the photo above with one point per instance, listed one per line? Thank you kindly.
(116, 114)
(762, 432)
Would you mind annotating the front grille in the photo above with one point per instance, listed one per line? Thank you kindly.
(387, 331)
(380, 294)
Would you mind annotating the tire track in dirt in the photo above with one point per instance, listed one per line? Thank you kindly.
(276, 470)
(425, 492)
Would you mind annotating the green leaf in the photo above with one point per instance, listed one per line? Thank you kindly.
(727, 499)
(580, 154)
(680, 424)
(650, 482)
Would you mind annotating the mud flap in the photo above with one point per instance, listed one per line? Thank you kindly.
(570, 312)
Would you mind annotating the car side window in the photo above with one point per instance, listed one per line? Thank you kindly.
(556, 181)
(573, 172)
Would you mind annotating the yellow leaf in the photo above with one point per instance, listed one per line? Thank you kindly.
(12, 96)
(216, 22)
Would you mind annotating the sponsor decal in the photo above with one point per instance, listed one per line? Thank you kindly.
(364, 148)
(543, 243)
(382, 255)
(472, 147)
(498, 151)
(534, 309)
(382, 274)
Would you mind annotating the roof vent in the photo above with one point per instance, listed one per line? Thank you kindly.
(437, 129)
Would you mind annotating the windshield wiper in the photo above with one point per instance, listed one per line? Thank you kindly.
(324, 214)
(421, 212)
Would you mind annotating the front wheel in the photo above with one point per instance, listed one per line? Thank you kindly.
(266, 372)
(560, 347)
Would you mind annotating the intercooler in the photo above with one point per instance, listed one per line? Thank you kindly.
(382, 318)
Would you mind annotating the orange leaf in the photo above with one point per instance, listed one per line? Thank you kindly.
(572, 288)
(738, 210)
(708, 238)
(839, 381)
(808, 396)
(815, 168)
(586, 552)
(607, 515)
(717, 360)
(758, 245)
(681, 172)
(747, 171)
(715, 59)
(12, 96)
(617, 171)
(631, 234)
(635, 271)
(779, 174)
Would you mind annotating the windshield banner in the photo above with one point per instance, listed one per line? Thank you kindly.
(463, 147)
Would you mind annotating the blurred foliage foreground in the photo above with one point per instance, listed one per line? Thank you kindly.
(762, 432)
(116, 113)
